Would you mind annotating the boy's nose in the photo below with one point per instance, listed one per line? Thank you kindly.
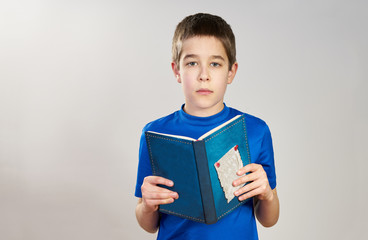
(204, 75)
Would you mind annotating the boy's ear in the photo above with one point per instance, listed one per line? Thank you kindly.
(232, 72)
(176, 71)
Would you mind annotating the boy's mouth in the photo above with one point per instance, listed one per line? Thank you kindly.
(204, 91)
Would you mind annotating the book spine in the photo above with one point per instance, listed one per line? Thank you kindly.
(208, 202)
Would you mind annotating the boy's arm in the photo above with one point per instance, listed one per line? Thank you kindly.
(152, 196)
(266, 201)
(148, 220)
(267, 210)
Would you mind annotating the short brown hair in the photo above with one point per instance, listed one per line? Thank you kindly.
(204, 24)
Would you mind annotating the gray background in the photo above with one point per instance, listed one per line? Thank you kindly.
(79, 79)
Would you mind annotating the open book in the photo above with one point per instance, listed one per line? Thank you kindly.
(202, 169)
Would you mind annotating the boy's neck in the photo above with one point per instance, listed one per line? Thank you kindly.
(204, 112)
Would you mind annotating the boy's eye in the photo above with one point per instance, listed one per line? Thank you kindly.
(215, 64)
(191, 64)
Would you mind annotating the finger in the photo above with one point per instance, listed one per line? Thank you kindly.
(160, 195)
(252, 167)
(246, 179)
(155, 192)
(247, 188)
(156, 202)
(249, 194)
(159, 180)
(148, 187)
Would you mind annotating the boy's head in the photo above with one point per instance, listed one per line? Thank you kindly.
(202, 24)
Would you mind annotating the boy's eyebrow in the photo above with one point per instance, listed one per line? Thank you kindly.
(190, 56)
(218, 57)
(196, 56)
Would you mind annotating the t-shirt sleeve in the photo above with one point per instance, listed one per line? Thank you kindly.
(266, 157)
(144, 165)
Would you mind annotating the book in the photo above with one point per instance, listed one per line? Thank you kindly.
(202, 169)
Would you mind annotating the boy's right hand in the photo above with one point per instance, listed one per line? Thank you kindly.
(153, 196)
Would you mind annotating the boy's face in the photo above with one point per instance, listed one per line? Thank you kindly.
(204, 74)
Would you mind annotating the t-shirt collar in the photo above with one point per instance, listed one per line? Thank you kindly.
(214, 119)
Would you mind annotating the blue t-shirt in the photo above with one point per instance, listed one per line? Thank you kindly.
(239, 224)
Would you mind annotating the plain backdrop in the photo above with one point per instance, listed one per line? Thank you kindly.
(79, 80)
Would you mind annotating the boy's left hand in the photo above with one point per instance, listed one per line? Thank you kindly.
(257, 180)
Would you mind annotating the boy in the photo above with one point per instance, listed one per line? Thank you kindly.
(204, 64)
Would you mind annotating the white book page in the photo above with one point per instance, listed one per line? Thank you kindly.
(175, 136)
(217, 128)
(201, 137)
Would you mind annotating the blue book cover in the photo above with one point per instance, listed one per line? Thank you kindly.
(202, 169)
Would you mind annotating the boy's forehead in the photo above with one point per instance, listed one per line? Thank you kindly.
(203, 46)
